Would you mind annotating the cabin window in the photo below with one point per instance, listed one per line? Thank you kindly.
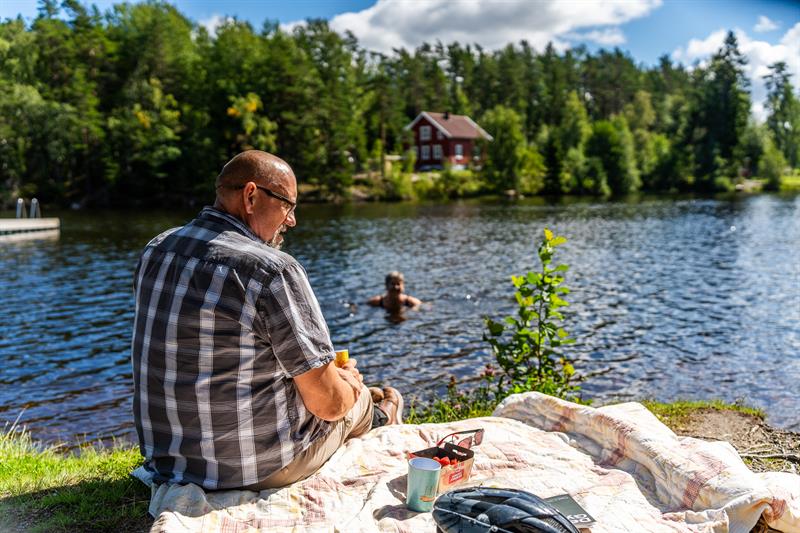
(459, 151)
(437, 151)
(425, 133)
(439, 135)
(426, 153)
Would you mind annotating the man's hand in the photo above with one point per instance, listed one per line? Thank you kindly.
(330, 392)
(349, 369)
(352, 376)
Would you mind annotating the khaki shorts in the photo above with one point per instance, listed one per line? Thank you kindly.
(355, 423)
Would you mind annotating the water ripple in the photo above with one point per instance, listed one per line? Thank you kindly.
(671, 298)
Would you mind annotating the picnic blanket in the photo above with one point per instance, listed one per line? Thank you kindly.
(627, 469)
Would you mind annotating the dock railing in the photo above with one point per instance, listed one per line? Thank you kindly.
(32, 227)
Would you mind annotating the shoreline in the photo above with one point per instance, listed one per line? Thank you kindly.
(422, 187)
(374, 191)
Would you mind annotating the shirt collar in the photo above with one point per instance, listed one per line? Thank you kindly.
(210, 211)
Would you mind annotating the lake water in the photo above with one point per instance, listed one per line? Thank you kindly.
(671, 298)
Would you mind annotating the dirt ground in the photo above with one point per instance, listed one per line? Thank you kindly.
(762, 447)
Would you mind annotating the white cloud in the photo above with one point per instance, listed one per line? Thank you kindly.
(698, 49)
(492, 24)
(764, 25)
(605, 37)
(213, 22)
(760, 54)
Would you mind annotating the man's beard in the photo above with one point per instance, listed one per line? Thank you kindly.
(277, 240)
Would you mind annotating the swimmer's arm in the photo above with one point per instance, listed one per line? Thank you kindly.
(413, 302)
(375, 301)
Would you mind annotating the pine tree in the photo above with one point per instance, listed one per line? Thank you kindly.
(721, 111)
(784, 112)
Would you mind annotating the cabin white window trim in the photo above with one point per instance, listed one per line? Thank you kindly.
(439, 135)
(424, 133)
(437, 151)
(426, 152)
(459, 151)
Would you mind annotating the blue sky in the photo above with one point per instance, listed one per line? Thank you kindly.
(687, 30)
(662, 29)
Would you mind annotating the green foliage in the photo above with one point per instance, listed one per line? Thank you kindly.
(791, 182)
(594, 178)
(772, 166)
(564, 147)
(376, 157)
(574, 172)
(531, 171)
(639, 113)
(458, 183)
(784, 112)
(144, 138)
(142, 105)
(611, 151)
(612, 80)
(399, 186)
(574, 129)
(752, 147)
(409, 160)
(255, 132)
(456, 405)
(505, 155)
(718, 118)
(528, 346)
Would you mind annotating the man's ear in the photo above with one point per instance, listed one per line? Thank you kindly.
(249, 197)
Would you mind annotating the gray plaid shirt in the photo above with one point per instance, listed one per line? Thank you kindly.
(223, 322)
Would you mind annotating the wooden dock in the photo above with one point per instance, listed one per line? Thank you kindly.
(19, 229)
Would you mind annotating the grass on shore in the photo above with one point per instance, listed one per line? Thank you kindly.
(42, 489)
(790, 183)
(448, 183)
(675, 413)
(456, 405)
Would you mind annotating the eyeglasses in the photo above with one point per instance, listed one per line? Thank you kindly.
(282, 198)
(475, 437)
(268, 192)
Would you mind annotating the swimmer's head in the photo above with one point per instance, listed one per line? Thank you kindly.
(395, 281)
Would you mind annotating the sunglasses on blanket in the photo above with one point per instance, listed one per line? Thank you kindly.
(474, 437)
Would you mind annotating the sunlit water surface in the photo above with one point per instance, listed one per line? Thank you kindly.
(671, 298)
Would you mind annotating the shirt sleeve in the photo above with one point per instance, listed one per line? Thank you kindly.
(298, 332)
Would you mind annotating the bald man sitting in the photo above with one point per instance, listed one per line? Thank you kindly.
(234, 380)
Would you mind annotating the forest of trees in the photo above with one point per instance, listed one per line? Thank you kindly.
(140, 105)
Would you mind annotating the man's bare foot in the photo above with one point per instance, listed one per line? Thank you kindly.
(377, 395)
(392, 405)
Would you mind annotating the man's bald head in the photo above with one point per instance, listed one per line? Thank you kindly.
(247, 189)
(254, 165)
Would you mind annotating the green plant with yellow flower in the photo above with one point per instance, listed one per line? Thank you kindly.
(253, 129)
(528, 346)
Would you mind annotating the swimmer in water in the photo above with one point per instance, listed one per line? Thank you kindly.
(395, 299)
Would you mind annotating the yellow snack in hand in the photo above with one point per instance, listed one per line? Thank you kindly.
(342, 356)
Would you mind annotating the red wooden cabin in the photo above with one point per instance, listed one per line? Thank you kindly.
(443, 137)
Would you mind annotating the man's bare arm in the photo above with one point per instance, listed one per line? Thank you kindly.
(329, 392)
